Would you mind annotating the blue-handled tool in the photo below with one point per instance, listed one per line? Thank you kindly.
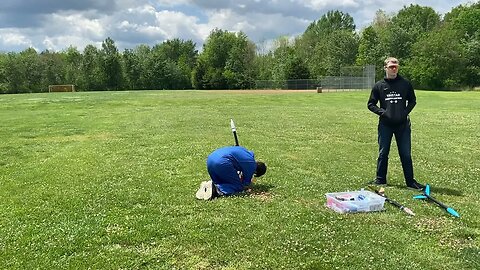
(426, 195)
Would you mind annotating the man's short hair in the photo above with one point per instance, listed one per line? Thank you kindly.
(391, 61)
(261, 169)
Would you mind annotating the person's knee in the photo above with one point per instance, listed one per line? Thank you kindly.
(404, 151)
(383, 153)
(405, 156)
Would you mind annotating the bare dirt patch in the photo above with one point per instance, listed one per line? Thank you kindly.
(262, 91)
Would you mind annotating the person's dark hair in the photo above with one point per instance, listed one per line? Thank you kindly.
(261, 169)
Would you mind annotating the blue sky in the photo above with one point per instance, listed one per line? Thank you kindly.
(58, 24)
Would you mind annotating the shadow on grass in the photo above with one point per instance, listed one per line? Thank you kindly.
(447, 191)
(256, 190)
(434, 190)
(261, 188)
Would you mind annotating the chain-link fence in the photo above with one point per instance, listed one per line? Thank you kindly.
(303, 84)
(350, 78)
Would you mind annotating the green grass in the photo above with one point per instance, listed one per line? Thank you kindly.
(106, 180)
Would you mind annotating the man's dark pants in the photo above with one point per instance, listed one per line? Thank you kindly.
(404, 144)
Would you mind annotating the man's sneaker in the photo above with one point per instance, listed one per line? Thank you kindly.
(206, 191)
(415, 185)
(377, 182)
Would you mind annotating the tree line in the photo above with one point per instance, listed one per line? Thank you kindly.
(435, 52)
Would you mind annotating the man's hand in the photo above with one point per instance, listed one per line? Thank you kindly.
(240, 175)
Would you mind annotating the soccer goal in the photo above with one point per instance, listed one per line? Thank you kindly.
(61, 88)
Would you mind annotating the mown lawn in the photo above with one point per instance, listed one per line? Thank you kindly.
(106, 180)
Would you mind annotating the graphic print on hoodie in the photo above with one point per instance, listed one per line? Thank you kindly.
(396, 97)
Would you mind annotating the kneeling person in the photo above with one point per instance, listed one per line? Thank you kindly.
(231, 170)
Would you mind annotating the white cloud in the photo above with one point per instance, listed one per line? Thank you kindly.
(59, 43)
(170, 3)
(176, 23)
(322, 4)
(76, 24)
(225, 18)
(258, 27)
(133, 22)
(161, 25)
(12, 37)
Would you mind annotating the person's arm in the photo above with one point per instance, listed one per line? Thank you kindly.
(249, 187)
(247, 173)
(373, 100)
(240, 175)
(411, 99)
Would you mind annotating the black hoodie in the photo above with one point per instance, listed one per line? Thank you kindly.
(397, 99)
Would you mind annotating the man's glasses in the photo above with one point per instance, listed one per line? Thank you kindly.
(392, 67)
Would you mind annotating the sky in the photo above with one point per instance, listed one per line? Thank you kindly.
(57, 24)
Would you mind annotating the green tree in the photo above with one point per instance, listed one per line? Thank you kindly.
(437, 66)
(283, 52)
(319, 31)
(31, 71)
(263, 62)
(110, 65)
(54, 68)
(239, 67)
(14, 75)
(370, 49)
(132, 69)
(328, 44)
(226, 62)
(456, 11)
(92, 72)
(215, 54)
(158, 67)
(3, 73)
(178, 58)
(73, 61)
(466, 24)
(143, 55)
(408, 26)
(448, 57)
(263, 66)
(287, 65)
(332, 21)
(199, 74)
(338, 50)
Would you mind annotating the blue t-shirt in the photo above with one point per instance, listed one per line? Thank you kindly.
(224, 164)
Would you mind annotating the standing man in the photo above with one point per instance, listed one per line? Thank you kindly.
(231, 170)
(397, 99)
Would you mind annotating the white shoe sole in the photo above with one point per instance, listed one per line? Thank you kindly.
(205, 191)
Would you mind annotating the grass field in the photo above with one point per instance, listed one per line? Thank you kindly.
(106, 180)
